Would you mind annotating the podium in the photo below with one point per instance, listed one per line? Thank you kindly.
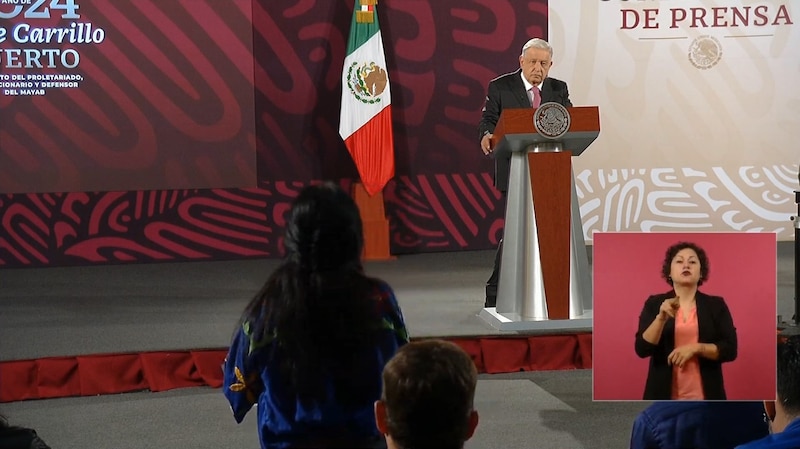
(545, 283)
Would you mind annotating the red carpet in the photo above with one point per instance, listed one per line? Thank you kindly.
(90, 375)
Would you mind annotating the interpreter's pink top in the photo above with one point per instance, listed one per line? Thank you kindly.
(686, 381)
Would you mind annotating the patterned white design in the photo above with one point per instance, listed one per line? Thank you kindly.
(750, 199)
(711, 148)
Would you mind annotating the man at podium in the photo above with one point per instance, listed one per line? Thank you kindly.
(529, 86)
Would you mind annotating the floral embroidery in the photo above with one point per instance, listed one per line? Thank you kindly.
(241, 385)
(401, 330)
(255, 343)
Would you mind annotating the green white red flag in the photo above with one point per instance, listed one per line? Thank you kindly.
(365, 121)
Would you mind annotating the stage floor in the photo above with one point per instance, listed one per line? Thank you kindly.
(153, 307)
(170, 306)
(157, 307)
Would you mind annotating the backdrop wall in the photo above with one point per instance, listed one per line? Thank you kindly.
(96, 204)
(108, 95)
(441, 55)
(699, 112)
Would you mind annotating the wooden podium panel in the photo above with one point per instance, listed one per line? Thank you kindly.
(515, 130)
(544, 271)
(551, 181)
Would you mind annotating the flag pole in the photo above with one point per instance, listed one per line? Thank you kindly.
(365, 124)
(375, 223)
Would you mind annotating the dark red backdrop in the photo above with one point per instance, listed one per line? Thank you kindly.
(164, 100)
(440, 55)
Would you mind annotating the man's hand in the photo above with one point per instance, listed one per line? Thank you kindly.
(486, 143)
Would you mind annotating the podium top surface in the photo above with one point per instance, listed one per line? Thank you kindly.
(515, 130)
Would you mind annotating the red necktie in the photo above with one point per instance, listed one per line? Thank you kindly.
(536, 97)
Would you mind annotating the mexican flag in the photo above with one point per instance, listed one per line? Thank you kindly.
(365, 122)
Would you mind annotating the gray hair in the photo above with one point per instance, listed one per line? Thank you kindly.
(537, 43)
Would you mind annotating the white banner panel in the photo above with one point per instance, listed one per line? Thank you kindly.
(700, 112)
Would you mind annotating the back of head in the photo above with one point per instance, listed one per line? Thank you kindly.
(428, 392)
(319, 305)
(789, 375)
(324, 230)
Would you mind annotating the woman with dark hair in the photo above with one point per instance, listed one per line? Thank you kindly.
(313, 342)
(686, 333)
(13, 437)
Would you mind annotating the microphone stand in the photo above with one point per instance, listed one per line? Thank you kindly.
(794, 327)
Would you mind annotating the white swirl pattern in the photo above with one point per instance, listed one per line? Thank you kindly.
(747, 199)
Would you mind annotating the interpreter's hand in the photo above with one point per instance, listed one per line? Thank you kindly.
(486, 143)
(668, 308)
(679, 356)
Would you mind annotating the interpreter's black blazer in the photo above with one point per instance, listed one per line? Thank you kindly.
(508, 92)
(715, 325)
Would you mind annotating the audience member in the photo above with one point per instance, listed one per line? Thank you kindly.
(784, 414)
(14, 437)
(428, 393)
(698, 425)
(313, 342)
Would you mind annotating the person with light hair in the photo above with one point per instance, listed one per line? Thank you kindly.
(529, 86)
(428, 397)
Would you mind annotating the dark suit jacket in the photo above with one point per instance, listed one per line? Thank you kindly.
(715, 326)
(508, 92)
(698, 424)
(20, 438)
